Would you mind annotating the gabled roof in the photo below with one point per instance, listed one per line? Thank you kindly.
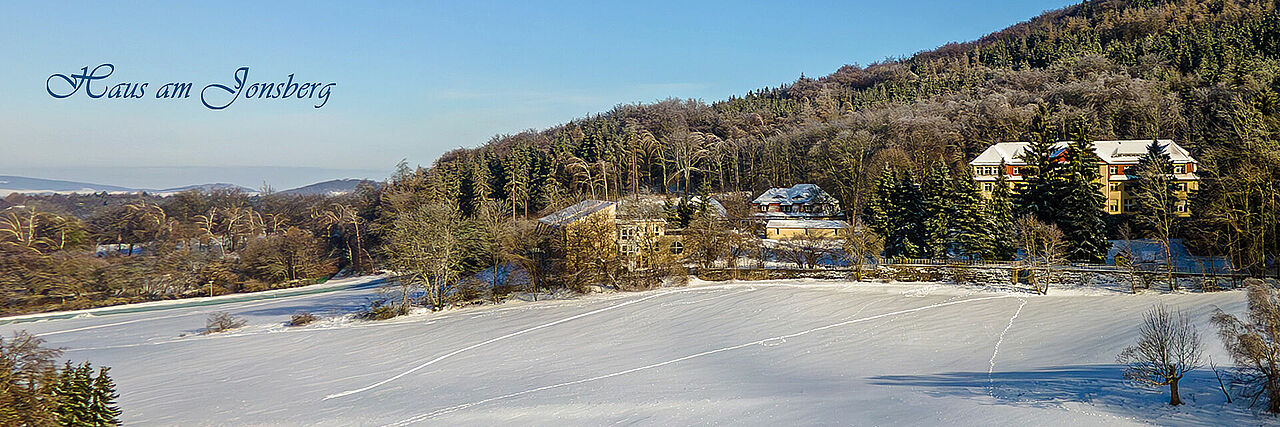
(797, 194)
(1110, 152)
(576, 212)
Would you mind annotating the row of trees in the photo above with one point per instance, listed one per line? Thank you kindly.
(190, 243)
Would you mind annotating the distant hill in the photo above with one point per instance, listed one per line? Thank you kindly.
(204, 188)
(329, 188)
(21, 184)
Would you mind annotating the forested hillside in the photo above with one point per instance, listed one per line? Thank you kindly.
(1202, 72)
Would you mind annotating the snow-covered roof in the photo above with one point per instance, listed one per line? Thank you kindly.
(797, 194)
(1111, 152)
(576, 212)
(806, 223)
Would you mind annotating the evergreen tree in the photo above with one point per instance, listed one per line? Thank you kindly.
(876, 211)
(74, 393)
(102, 408)
(1041, 174)
(972, 221)
(1000, 208)
(938, 210)
(1080, 207)
(896, 212)
(908, 211)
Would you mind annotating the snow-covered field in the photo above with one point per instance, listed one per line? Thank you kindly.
(782, 353)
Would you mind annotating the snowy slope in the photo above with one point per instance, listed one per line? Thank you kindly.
(781, 353)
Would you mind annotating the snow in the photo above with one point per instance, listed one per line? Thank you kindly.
(793, 352)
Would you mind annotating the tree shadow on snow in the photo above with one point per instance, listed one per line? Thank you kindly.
(1101, 386)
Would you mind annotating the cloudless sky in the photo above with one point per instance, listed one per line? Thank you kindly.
(414, 78)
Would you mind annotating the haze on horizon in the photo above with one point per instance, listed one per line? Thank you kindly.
(414, 79)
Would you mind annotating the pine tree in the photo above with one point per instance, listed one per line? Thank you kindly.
(1000, 207)
(74, 393)
(972, 221)
(102, 409)
(1041, 173)
(938, 210)
(896, 212)
(1080, 207)
(876, 211)
(909, 212)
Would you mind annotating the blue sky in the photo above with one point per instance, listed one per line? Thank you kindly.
(414, 79)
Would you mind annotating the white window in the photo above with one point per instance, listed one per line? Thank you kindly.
(986, 186)
(1181, 206)
(1182, 186)
(1115, 186)
(677, 247)
(1113, 206)
(1179, 168)
(1114, 170)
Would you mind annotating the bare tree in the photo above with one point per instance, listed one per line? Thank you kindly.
(861, 246)
(1168, 347)
(707, 239)
(1255, 344)
(342, 219)
(496, 235)
(1155, 193)
(1042, 248)
(805, 250)
(1127, 259)
(425, 247)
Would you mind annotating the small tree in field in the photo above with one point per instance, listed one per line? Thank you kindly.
(1042, 248)
(1168, 347)
(1255, 343)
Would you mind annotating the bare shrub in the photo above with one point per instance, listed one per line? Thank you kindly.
(1254, 343)
(1168, 347)
(221, 322)
(301, 319)
(379, 310)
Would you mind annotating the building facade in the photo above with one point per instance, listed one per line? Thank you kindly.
(1117, 160)
(791, 228)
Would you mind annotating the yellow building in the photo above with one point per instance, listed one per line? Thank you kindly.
(1117, 161)
(789, 228)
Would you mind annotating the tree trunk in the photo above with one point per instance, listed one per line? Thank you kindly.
(1273, 393)
(1174, 400)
